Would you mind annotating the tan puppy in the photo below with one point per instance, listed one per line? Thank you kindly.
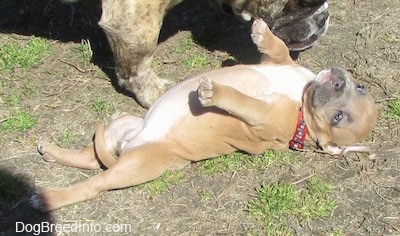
(246, 107)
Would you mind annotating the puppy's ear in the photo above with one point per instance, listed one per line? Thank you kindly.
(340, 151)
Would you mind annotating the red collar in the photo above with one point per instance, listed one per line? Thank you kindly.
(300, 133)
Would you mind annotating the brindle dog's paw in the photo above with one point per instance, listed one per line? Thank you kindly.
(258, 30)
(43, 153)
(205, 92)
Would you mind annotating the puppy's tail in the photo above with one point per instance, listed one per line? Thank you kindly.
(104, 155)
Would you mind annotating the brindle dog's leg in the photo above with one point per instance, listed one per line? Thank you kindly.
(132, 29)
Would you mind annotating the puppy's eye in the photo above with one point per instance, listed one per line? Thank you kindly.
(361, 88)
(337, 118)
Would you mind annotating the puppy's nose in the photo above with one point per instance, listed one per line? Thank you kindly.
(338, 78)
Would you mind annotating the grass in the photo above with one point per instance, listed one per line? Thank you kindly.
(161, 184)
(239, 161)
(23, 55)
(103, 107)
(336, 232)
(391, 37)
(280, 203)
(19, 121)
(233, 162)
(206, 195)
(65, 138)
(394, 109)
(84, 51)
(185, 45)
(14, 97)
(196, 61)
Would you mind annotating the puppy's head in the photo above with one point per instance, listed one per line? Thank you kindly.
(338, 111)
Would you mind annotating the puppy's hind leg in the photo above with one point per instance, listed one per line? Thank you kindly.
(84, 158)
(133, 167)
(108, 142)
(274, 50)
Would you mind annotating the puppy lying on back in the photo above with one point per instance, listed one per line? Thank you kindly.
(274, 105)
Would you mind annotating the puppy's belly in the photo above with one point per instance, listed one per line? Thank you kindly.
(258, 81)
(215, 134)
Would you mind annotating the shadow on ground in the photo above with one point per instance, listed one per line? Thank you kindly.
(53, 19)
(77, 21)
(16, 214)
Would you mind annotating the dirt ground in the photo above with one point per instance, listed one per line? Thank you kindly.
(363, 37)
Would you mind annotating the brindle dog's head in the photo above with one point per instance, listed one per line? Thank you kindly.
(338, 111)
(299, 23)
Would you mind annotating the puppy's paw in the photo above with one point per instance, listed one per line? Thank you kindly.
(41, 148)
(36, 201)
(205, 92)
(258, 30)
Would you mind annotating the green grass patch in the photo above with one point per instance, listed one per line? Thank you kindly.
(161, 184)
(394, 109)
(206, 195)
(13, 98)
(196, 61)
(336, 232)
(84, 51)
(280, 203)
(103, 107)
(19, 121)
(238, 161)
(185, 45)
(17, 90)
(24, 55)
(65, 138)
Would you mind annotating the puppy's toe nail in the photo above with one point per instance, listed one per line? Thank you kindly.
(40, 149)
(43, 153)
(48, 158)
(36, 202)
(205, 92)
(209, 85)
(206, 102)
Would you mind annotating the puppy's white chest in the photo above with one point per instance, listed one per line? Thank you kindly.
(287, 80)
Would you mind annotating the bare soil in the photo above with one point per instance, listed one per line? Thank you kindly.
(363, 37)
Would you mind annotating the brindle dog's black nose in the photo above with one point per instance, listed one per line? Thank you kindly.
(311, 3)
(321, 19)
(338, 78)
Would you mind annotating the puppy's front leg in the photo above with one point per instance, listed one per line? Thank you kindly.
(248, 109)
(274, 50)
